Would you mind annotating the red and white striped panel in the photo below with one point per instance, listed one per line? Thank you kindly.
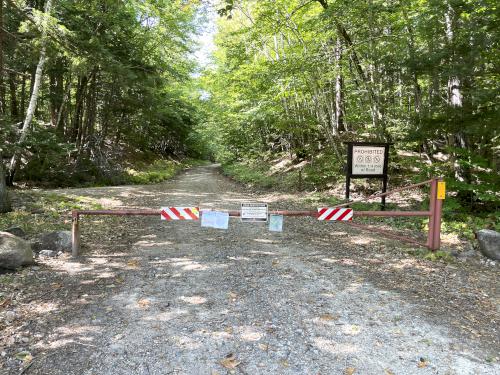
(341, 214)
(180, 213)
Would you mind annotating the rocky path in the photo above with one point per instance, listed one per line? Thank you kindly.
(150, 297)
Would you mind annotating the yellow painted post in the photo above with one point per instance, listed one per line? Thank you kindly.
(441, 190)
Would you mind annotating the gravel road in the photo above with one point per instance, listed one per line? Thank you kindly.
(151, 297)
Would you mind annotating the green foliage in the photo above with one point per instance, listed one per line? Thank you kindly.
(324, 172)
(284, 69)
(252, 175)
(438, 256)
(118, 76)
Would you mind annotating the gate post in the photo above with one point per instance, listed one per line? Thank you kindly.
(75, 234)
(435, 206)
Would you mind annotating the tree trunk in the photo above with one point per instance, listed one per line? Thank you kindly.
(339, 89)
(4, 194)
(78, 114)
(456, 139)
(60, 122)
(14, 162)
(14, 108)
(23, 95)
(2, 89)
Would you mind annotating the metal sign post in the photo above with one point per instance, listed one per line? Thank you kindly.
(367, 160)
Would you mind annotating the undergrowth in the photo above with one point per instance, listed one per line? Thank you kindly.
(324, 175)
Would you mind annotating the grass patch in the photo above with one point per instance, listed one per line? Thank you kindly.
(159, 171)
(41, 212)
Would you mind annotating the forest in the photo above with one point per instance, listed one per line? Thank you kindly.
(89, 87)
(87, 84)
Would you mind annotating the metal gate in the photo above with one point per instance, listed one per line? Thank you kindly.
(433, 213)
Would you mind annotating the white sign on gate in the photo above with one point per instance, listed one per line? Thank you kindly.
(368, 160)
(254, 212)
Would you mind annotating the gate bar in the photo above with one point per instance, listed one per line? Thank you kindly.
(434, 215)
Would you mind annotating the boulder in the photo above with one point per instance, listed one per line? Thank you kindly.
(14, 251)
(57, 241)
(16, 231)
(489, 243)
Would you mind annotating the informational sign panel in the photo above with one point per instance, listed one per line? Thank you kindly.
(368, 160)
(254, 212)
(276, 223)
(215, 219)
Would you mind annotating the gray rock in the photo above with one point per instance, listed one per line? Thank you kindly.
(36, 246)
(16, 231)
(14, 251)
(10, 316)
(489, 243)
(48, 253)
(57, 241)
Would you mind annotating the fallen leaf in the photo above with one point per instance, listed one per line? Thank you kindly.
(133, 263)
(230, 362)
(422, 363)
(144, 303)
(232, 296)
(388, 372)
(350, 371)
(264, 347)
(284, 363)
(327, 317)
(228, 329)
(24, 356)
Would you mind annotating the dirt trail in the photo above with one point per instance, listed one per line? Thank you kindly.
(150, 297)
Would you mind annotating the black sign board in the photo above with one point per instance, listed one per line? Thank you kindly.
(367, 160)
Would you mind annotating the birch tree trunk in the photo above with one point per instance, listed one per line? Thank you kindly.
(14, 162)
(456, 138)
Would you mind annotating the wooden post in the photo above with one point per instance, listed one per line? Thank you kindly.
(75, 235)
